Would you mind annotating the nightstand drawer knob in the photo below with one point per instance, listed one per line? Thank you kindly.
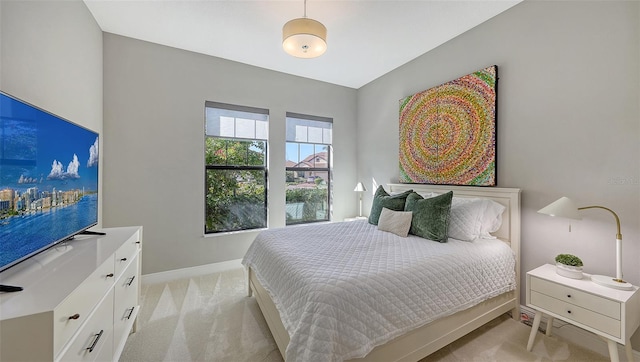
(569, 311)
(568, 295)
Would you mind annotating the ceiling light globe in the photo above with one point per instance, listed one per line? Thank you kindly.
(304, 38)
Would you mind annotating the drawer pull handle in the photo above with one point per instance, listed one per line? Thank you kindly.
(93, 345)
(569, 311)
(123, 259)
(75, 316)
(137, 242)
(131, 281)
(110, 275)
(130, 312)
(568, 295)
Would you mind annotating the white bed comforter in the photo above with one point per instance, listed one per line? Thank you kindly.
(344, 288)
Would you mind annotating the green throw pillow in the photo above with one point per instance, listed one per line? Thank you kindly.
(382, 199)
(411, 201)
(430, 216)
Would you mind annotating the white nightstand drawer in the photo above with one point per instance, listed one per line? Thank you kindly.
(573, 296)
(575, 313)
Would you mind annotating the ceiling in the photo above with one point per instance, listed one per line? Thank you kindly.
(366, 38)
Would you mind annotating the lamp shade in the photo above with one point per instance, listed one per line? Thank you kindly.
(304, 38)
(563, 207)
(360, 187)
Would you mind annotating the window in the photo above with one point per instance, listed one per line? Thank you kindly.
(235, 167)
(308, 169)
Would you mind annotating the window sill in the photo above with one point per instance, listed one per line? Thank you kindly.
(227, 233)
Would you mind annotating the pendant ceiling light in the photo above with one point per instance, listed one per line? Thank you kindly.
(304, 37)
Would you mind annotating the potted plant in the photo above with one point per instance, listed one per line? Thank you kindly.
(569, 266)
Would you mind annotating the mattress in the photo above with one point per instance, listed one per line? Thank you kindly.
(344, 288)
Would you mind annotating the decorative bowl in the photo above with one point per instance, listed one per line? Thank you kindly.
(573, 272)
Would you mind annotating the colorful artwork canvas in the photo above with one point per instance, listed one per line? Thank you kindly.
(448, 132)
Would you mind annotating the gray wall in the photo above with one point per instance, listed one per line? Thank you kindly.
(51, 57)
(568, 121)
(154, 144)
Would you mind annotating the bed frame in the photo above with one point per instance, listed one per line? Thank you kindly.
(425, 340)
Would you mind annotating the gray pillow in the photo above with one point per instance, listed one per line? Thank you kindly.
(397, 222)
(382, 199)
(430, 216)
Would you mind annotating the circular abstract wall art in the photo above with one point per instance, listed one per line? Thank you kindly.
(448, 132)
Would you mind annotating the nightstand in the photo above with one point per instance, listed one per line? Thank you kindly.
(356, 218)
(610, 313)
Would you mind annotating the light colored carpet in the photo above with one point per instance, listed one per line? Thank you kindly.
(210, 318)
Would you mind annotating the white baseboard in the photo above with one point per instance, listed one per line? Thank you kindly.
(167, 276)
(577, 336)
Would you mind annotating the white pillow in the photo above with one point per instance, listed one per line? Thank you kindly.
(397, 222)
(465, 218)
(492, 219)
(472, 218)
(427, 195)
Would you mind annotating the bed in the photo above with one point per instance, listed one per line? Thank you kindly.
(327, 328)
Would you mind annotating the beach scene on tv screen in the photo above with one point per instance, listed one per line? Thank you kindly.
(48, 180)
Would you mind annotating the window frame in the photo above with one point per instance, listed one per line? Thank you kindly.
(235, 167)
(328, 169)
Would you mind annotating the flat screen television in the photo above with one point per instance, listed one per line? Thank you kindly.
(48, 180)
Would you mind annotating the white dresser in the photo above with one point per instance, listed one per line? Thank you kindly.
(79, 303)
(610, 313)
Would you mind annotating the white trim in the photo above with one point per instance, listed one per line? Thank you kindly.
(167, 276)
(227, 233)
(577, 335)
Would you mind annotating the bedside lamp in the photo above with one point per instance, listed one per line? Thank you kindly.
(564, 207)
(360, 188)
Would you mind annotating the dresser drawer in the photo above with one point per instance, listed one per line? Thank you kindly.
(579, 298)
(575, 313)
(126, 300)
(95, 339)
(126, 252)
(74, 310)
